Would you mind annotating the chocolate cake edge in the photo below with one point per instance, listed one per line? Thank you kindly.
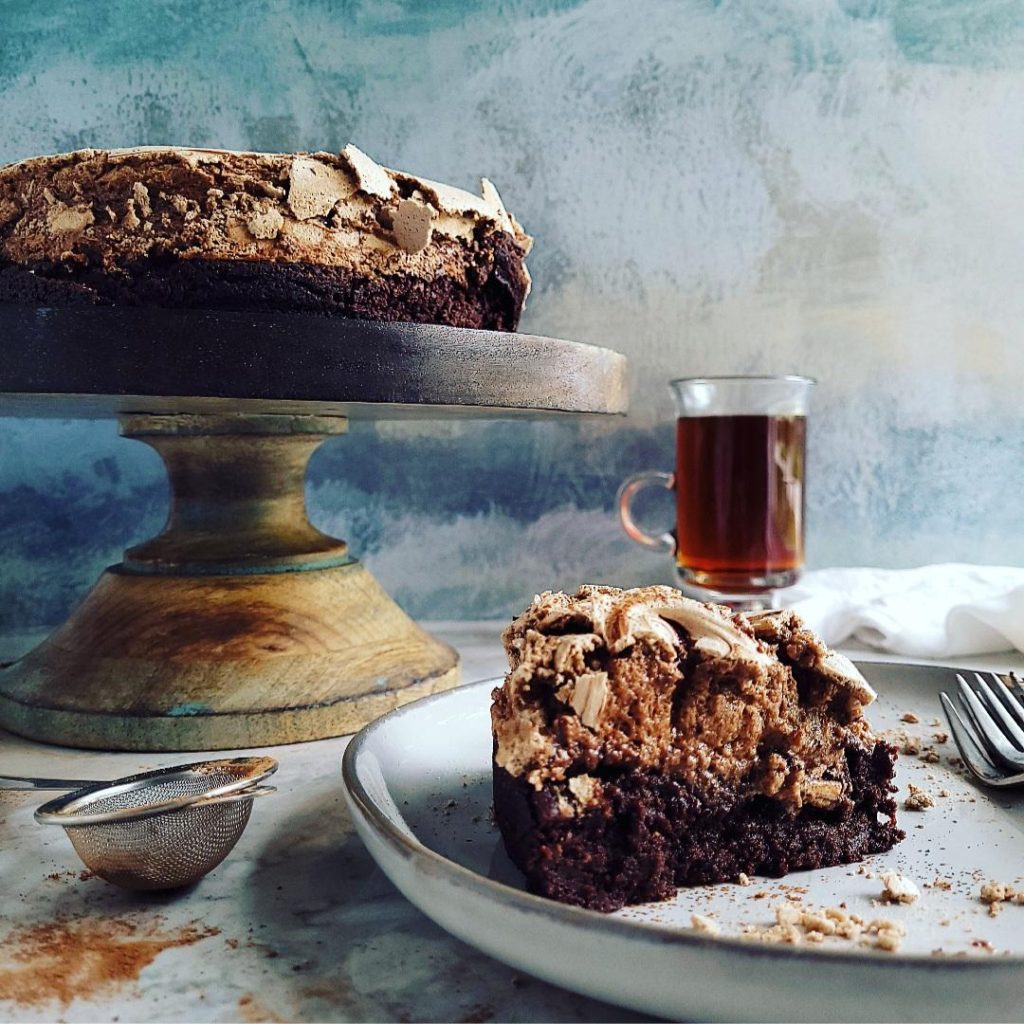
(495, 303)
(652, 833)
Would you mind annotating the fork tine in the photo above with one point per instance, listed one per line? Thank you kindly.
(970, 705)
(968, 718)
(974, 757)
(989, 731)
(1011, 716)
(1014, 688)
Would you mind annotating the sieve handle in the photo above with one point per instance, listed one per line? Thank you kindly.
(25, 783)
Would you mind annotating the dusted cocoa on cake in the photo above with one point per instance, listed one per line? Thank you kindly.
(332, 233)
(644, 741)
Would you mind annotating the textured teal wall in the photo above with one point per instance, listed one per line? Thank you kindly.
(825, 187)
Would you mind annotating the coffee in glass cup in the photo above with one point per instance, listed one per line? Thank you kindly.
(741, 446)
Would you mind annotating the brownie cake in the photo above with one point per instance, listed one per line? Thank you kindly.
(320, 232)
(644, 741)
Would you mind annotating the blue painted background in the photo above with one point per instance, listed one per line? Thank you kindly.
(832, 188)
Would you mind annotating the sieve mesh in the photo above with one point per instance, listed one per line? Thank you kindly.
(164, 851)
(146, 844)
(155, 791)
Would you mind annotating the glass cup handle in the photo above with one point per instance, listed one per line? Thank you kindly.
(631, 487)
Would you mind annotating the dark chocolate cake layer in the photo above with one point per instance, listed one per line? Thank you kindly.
(494, 304)
(652, 833)
(327, 233)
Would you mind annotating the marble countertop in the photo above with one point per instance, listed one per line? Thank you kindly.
(297, 923)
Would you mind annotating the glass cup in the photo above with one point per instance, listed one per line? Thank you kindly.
(741, 447)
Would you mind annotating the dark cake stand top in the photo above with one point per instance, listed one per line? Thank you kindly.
(92, 362)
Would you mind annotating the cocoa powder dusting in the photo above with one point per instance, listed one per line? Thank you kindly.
(80, 958)
(252, 1011)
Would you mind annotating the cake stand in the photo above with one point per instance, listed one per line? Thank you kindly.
(241, 624)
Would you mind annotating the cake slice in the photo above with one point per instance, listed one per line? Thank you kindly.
(332, 233)
(644, 741)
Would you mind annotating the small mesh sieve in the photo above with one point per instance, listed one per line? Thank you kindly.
(162, 829)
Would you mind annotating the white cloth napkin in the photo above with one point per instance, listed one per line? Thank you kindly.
(936, 611)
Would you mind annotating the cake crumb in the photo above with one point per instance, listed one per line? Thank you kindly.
(919, 799)
(888, 939)
(994, 893)
(821, 924)
(785, 914)
(909, 716)
(911, 745)
(941, 737)
(942, 883)
(704, 924)
(847, 926)
(784, 931)
(743, 878)
(930, 756)
(898, 888)
(795, 925)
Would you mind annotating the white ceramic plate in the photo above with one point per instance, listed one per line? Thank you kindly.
(418, 786)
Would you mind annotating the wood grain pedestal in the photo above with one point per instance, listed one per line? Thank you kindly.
(240, 625)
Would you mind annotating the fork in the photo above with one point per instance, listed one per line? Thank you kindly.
(990, 732)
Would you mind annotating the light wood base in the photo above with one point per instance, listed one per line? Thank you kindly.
(211, 663)
(240, 625)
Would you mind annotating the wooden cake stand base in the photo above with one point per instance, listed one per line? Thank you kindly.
(241, 624)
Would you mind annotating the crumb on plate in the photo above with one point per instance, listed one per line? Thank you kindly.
(897, 888)
(704, 924)
(919, 799)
